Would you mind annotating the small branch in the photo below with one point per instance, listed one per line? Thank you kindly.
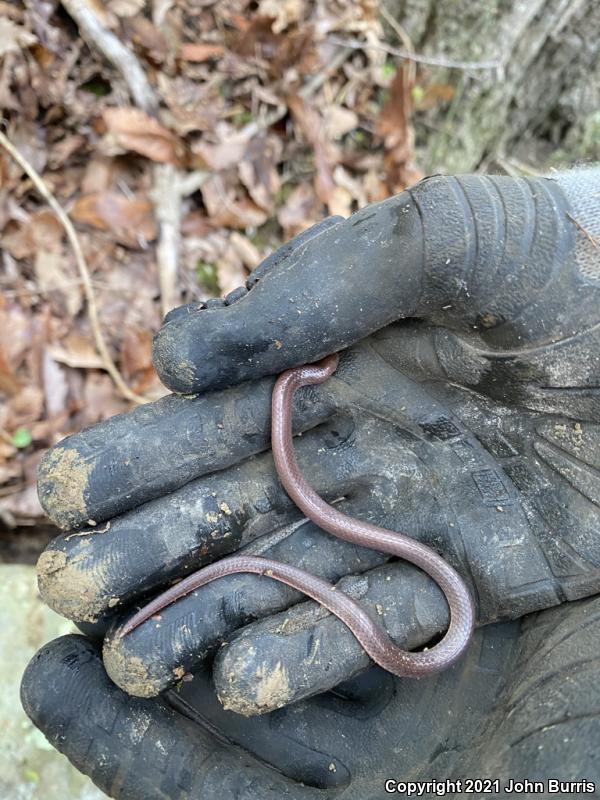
(192, 181)
(166, 193)
(38, 182)
(516, 168)
(585, 231)
(115, 52)
(435, 61)
(402, 36)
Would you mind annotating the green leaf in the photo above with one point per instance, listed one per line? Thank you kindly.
(30, 775)
(21, 438)
(418, 93)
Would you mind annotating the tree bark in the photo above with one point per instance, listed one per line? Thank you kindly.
(540, 107)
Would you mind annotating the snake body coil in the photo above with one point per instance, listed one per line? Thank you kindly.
(371, 636)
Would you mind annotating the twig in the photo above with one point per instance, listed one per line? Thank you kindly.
(516, 168)
(167, 193)
(38, 182)
(585, 231)
(115, 52)
(436, 61)
(166, 196)
(402, 36)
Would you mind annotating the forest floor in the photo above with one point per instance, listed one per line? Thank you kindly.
(184, 145)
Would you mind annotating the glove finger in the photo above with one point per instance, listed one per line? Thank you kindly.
(306, 650)
(158, 653)
(86, 574)
(333, 289)
(133, 748)
(132, 458)
(303, 740)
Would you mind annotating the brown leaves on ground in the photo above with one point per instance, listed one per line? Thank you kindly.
(254, 99)
(132, 129)
(129, 219)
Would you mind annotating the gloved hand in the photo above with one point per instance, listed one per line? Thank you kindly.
(472, 430)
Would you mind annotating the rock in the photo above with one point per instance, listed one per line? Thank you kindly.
(30, 769)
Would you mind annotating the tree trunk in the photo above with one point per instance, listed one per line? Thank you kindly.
(540, 107)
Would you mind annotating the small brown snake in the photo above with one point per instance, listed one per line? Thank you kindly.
(373, 638)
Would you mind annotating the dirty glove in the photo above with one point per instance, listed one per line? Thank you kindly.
(472, 430)
(520, 704)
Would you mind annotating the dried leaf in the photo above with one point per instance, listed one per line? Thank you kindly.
(200, 51)
(16, 335)
(75, 351)
(136, 350)
(340, 202)
(283, 12)
(100, 399)
(132, 129)
(26, 407)
(191, 106)
(228, 207)
(339, 121)
(258, 171)
(353, 186)
(228, 153)
(46, 230)
(394, 126)
(126, 8)
(310, 123)
(196, 224)
(131, 220)
(55, 386)
(63, 150)
(147, 38)
(375, 187)
(230, 271)
(23, 505)
(276, 51)
(14, 37)
(300, 211)
(52, 270)
(9, 470)
(8, 380)
(248, 252)
(53, 276)
(17, 240)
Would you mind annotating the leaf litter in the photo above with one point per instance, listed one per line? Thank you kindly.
(284, 127)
